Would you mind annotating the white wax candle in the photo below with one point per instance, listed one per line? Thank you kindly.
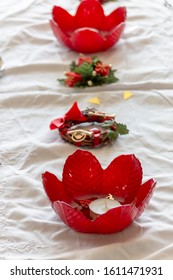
(101, 206)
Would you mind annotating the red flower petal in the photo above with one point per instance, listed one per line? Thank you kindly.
(75, 114)
(82, 174)
(144, 196)
(102, 69)
(53, 187)
(57, 123)
(72, 78)
(64, 20)
(60, 35)
(114, 19)
(89, 14)
(83, 59)
(123, 177)
(87, 41)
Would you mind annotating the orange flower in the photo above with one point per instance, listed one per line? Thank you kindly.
(102, 69)
(72, 78)
(83, 59)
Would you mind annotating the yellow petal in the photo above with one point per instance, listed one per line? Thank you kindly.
(128, 94)
(94, 100)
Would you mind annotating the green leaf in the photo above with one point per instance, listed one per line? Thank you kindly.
(112, 135)
(73, 66)
(85, 70)
(111, 78)
(98, 80)
(122, 129)
(62, 81)
(95, 60)
(107, 124)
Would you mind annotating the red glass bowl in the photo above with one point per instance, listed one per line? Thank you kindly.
(89, 30)
(83, 176)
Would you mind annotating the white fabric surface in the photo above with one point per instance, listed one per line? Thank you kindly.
(30, 97)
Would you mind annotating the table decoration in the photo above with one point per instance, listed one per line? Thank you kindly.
(85, 181)
(92, 137)
(88, 72)
(89, 30)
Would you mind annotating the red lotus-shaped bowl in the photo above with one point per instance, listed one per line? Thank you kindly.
(89, 30)
(83, 176)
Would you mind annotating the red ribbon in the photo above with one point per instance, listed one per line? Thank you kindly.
(74, 114)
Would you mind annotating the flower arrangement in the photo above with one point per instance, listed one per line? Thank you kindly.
(88, 72)
(89, 30)
(85, 181)
(93, 137)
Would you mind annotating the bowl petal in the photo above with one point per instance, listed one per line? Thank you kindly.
(115, 219)
(114, 19)
(60, 35)
(123, 177)
(88, 41)
(53, 187)
(64, 20)
(72, 217)
(89, 14)
(82, 174)
(113, 37)
(144, 195)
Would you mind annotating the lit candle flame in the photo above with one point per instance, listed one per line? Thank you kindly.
(110, 196)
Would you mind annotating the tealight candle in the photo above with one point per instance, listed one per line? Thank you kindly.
(101, 206)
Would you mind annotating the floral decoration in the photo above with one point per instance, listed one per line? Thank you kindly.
(92, 137)
(89, 30)
(84, 177)
(88, 72)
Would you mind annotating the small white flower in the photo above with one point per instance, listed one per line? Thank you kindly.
(90, 83)
(94, 73)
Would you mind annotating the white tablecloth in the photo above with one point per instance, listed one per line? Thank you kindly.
(31, 97)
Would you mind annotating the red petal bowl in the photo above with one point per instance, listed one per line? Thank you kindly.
(89, 30)
(84, 180)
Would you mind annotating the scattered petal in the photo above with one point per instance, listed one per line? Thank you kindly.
(95, 100)
(128, 94)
